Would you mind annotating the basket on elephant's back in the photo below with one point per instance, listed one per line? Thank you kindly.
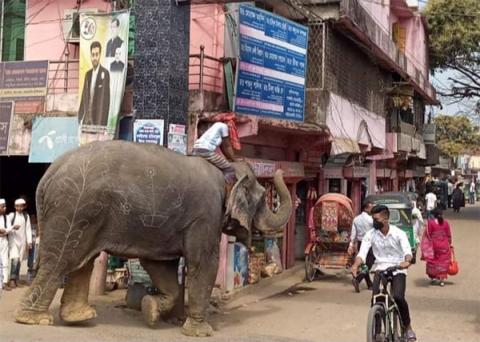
(333, 211)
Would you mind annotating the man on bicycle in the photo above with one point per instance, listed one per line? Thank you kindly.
(390, 247)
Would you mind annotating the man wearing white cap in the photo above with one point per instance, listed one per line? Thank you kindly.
(20, 239)
(5, 228)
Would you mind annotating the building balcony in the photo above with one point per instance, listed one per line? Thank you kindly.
(357, 21)
(398, 126)
(433, 155)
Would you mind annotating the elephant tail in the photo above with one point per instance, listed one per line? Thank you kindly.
(40, 204)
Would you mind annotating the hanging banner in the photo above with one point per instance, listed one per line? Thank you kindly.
(52, 137)
(25, 83)
(273, 63)
(148, 131)
(103, 71)
(6, 112)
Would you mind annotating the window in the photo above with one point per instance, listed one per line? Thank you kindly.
(13, 43)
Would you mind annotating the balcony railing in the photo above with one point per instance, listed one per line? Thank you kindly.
(206, 82)
(205, 72)
(353, 10)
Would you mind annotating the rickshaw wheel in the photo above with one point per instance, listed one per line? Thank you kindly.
(310, 261)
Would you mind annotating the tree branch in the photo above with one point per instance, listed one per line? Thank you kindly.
(471, 75)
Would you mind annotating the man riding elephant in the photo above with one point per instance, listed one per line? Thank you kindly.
(141, 201)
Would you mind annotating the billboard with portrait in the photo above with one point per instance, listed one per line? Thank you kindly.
(103, 70)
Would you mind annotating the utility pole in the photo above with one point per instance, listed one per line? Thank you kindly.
(1, 27)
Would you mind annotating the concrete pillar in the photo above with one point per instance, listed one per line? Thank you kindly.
(161, 61)
(357, 195)
(99, 275)
(395, 183)
(372, 183)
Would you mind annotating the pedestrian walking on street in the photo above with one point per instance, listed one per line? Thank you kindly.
(472, 192)
(390, 248)
(360, 226)
(450, 193)
(438, 231)
(417, 222)
(5, 228)
(19, 239)
(431, 200)
(33, 252)
(458, 199)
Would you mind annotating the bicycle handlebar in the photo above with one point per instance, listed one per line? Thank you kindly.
(389, 271)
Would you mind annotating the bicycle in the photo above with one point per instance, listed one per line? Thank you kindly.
(384, 321)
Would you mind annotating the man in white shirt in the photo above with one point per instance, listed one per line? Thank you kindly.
(217, 136)
(391, 248)
(360, 226)
(19, 239)
(472, 192)
(431, 204)
(417, 221)
(5, 228)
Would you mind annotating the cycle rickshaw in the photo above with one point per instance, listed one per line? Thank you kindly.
(329, 226)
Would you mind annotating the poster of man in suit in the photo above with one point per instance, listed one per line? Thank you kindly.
(103, 57)
(95, 102)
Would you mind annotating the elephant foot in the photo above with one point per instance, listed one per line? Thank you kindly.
(33, 317)
(76, 313)
(150, 310)
(197, 329)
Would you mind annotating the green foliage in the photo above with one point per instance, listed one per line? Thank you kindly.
(456, 135)
(454, 27)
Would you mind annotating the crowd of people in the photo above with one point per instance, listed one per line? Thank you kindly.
(18, 240)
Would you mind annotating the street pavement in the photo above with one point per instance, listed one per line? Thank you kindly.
(325, 310)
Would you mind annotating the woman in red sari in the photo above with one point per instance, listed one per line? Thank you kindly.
(439, 232)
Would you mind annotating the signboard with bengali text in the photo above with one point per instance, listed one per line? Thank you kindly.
(272, 67)
(25, 83)
(6, 112)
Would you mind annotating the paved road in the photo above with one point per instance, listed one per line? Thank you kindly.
(326, 310)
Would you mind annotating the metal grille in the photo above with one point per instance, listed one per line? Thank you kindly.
(350, 73)
(315, 56)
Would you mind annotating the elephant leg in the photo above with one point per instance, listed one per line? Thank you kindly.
(74, 304)
(33, 308)
(202, 267)
(167, 304)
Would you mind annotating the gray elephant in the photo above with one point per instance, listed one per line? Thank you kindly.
(140, 201)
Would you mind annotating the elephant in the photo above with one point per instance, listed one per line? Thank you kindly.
(141, 201)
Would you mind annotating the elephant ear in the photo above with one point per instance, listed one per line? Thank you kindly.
(237, 213)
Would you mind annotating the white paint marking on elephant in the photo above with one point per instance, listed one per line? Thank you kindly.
(71, 239)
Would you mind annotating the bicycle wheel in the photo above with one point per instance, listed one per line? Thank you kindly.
(310, 261)
(376, 324)
(398, 332)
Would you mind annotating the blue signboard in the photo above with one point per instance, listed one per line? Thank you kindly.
(273, 63)
(52, 137)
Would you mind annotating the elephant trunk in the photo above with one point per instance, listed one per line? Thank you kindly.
(267, 221)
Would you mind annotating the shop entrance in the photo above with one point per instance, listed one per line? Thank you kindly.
(19, 178)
